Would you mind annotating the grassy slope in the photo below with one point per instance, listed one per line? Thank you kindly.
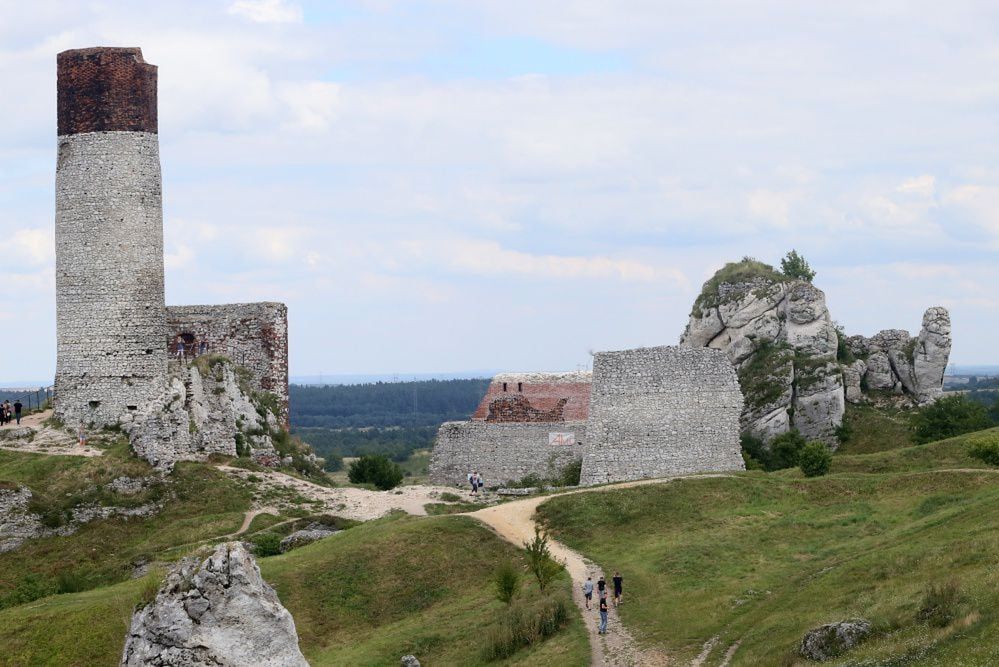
(364, 597)
(201, 503)
(762, 558)
(875, 429)
(403, 585)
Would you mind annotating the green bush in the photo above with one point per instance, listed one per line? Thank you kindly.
(540, 561)
(449, 497)
(948, 417)
(266, 544)
(986, 449)
(941, 604)
(523, 627)
(814, 459)
(377, 470)
(506, 580)
(785, 450)
(569, 475)
(794, 266)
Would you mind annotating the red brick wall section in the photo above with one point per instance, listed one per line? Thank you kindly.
(518, 409)
(542, 397)
(105, 89)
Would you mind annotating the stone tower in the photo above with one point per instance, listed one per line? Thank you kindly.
(111, 318)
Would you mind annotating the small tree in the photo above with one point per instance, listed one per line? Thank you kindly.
(540, 560)
(375, 469)
(814, 459)
(949, 416)
(785, 450)
(795, 266)
(506, 579)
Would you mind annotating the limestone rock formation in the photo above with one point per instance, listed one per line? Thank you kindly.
(795, 368)
(204, 410)
(216, 613)
(312, 533)
(833, 639)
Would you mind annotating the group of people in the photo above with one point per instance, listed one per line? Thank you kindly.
(10, 412)
(475, 479)
(618, 582)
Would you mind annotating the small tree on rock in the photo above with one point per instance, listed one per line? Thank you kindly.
(795, 266)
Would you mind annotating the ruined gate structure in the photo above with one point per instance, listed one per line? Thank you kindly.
(641, 413)
(115, 335)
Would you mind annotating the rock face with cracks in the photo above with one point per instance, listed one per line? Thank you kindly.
(795, 369)
(219, 612)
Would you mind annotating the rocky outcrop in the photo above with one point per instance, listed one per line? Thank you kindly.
(833, 639)
(205, 410)
(794, 369)
(311, 533)
(780, 337)
(217, 612)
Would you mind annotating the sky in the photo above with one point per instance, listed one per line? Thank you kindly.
(443, 185)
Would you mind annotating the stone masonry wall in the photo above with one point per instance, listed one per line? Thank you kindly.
(253, 335)
(502, 452)
(543, 391)
(106, 89)
(661, 411)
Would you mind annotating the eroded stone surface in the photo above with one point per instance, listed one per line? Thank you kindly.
(216, 612)
(833, 639)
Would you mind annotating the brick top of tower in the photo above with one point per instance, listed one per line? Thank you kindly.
(105, 89)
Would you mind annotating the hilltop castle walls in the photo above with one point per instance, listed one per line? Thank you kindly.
(661, 411)
(504, 452)
(111, 358)
(253, 335)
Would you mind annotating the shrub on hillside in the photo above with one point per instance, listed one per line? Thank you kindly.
(522, 627)
(506, 579)
(785, 450)
(941, 604)
(948, 417)
(377, 470)
(266, 544)
(986, 449)
(754, 452)
(539, 559)
(814, 459)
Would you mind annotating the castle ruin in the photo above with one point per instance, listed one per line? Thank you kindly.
(121, 352)
(643, 413)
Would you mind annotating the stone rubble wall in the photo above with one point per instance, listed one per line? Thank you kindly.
(543, 391)
(111, 356)
(502, 452)
(253, 335)
(661, 411)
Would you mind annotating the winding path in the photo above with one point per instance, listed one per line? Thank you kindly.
(514, 522)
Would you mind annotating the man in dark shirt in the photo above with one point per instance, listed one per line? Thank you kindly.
(618, 582)
(603, 615)
(17, 410)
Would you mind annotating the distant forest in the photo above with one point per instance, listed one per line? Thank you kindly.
(390, 418)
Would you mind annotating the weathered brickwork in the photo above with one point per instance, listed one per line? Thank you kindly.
(543, 391)
(105, 90)
(111, 327)
(253, 335)
(661, 411)
(519, 409)
(503, 452)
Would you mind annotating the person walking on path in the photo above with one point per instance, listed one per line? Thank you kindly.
(601, 586)
(5, 419)
(603, 615)
(478, 481)
(588, 591)
(618, 582)
(81, 435)
(473, 482)
(17, 410)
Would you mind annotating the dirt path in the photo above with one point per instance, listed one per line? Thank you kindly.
(33, 420)
(34, 437)
(514, 522)
(285, 492)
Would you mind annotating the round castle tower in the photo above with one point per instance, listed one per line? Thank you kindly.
(110, 312)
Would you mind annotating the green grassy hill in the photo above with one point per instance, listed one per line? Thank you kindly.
(761, 558)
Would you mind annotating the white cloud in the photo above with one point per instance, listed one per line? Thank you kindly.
(267, 11)
(771, 207)
(924, 186)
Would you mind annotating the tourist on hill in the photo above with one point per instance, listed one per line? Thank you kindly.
(81, 435)
(478, 481)
(618, 582)
(471, 480)
(588, 591)
(5, 409)
(17, 410)
(603, 615)
(602, 586)
(180, 349)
